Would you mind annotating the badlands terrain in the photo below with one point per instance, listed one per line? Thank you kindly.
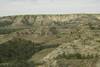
(69, 40)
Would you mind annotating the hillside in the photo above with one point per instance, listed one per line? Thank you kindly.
(70, 40)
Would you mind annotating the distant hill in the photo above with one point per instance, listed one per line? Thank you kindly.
(29, 20)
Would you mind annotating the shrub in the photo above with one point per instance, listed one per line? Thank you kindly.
(77, 56)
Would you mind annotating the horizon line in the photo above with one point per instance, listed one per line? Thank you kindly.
(50, 13)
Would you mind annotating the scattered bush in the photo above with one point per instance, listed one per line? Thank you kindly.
(77, 56)
(18, 64)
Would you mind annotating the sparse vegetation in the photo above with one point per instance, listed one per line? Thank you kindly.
(17, 64)
(7, 30)
(6, 23)
(77, 56)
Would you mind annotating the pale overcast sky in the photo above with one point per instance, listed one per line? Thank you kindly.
(17, 7)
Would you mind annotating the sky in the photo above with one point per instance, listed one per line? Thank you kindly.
(20, 7)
